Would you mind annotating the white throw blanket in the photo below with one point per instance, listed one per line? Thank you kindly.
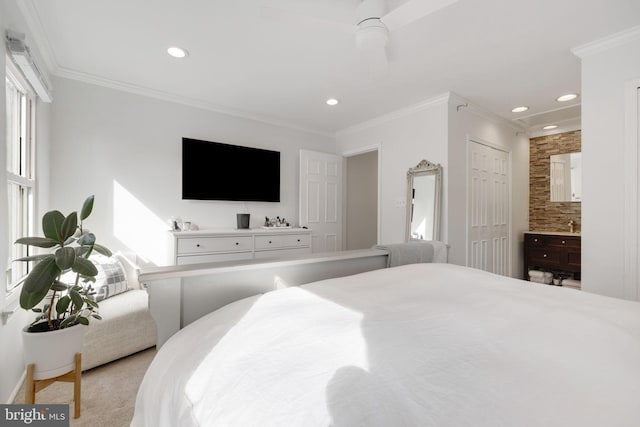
(415, 252)
(417, 345)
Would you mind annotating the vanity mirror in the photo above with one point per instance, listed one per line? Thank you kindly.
(566, 177)
(424, 189)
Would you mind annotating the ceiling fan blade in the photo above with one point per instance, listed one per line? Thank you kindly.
(411, 11)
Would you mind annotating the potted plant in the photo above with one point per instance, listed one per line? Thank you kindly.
(58, 288)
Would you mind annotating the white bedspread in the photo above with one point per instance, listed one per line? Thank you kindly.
(417, 345)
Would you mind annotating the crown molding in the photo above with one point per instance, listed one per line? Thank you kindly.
(608, 42)
(450, 98)
(475, 109)
(32, 18)
(539, 113)
(403, 112)
(178, 99)
(565, 126)
(34, 23)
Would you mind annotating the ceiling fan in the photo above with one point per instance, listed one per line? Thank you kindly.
(373, 24)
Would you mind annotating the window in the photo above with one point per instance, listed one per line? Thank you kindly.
(20, 173)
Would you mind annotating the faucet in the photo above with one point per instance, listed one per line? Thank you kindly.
(571, 225)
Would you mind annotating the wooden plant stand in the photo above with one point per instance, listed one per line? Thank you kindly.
(33, 386)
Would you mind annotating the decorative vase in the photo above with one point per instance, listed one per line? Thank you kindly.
(52, 352)
(242, 221)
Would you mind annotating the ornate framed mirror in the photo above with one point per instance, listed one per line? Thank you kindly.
(424, 192)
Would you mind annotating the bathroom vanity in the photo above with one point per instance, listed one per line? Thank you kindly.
(557, 252)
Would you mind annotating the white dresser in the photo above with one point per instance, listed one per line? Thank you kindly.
(194, 247)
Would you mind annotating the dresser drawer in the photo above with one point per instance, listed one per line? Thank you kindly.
(544, 256)
(214, 244)
(564, 242)
(534, 240)
(283, 241)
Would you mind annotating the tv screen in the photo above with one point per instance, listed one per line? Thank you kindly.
(215, 171)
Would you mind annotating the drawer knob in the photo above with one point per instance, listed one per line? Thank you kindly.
(197, 245)
(535, 240)
(298, 240)
(237, 243)
(563, 242)
(544, 256)
(269, 241)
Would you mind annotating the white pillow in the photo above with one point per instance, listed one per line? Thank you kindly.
(111, 278)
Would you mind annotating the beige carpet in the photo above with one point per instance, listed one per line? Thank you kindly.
(108, 392)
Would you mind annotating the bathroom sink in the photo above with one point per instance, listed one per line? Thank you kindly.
(554, 233)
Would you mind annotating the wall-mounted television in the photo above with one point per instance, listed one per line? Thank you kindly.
(216, 171)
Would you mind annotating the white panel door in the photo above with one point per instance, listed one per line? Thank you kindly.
(489, 209)
(320, 199)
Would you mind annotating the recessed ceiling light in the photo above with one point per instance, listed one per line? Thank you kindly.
(549, 127)
(519, 109)
(332, 101)
(567, 97)
(177, 52)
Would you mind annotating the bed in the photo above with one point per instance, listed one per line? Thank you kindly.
(415, 345)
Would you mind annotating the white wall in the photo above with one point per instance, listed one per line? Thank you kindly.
(605, 74)
(473, 123)
(126, 149)
(11, 361)
(405, 137)
(438, 132)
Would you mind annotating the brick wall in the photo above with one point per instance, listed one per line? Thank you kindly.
(545, 215)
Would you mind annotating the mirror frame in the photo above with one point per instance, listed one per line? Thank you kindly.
(425, 168)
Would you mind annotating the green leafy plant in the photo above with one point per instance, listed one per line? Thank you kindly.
(71, 246)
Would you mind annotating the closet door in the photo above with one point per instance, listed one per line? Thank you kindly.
(321, 199)
(489, 209)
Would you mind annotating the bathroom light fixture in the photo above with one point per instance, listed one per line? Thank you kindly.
(519, 109)
(567, 97)
(332, 101)
(177, 52)
(549, 127)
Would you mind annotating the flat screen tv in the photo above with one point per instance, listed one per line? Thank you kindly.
(215, 171)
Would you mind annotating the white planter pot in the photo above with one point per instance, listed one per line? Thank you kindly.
(53, 352)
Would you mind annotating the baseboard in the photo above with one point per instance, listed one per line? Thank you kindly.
(15, 391)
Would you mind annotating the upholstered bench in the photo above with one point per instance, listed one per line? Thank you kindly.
(126, 326)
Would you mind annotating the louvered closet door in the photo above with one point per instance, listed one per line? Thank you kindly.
(488, 219)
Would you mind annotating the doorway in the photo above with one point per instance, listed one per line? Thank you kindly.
(339, 199)
(361, 200)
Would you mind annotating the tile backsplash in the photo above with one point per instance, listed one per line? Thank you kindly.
(545, 215)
